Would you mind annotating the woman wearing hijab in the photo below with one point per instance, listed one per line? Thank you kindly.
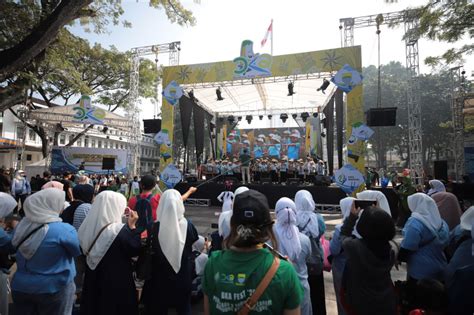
(449, 209)
(56, 185)
(46, 247)
(81, 205)
(425, 236)
(366, 286)
(21, 187)
(233, 274)
(338, 256)
(109, 245)
(459, 275)
(312, 225)
(295, 245)
(172, 239)
(382, 202)
(436, 186)
(7, 204)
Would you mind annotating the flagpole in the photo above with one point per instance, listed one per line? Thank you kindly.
(271, 39)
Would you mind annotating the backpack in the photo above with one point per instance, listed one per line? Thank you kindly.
(315, 261)
(144, 211)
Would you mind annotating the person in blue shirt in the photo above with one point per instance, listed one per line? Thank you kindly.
(312, 225)
(258, 148)
(459, 275)
(7, 204)
(294, 145)
(338, 257)
(46, 247)
(425, 237)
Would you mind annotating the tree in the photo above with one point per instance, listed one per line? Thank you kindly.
(72, 67)
(447, 21)
(28, 28)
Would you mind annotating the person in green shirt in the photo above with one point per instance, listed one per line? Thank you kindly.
(232, 275)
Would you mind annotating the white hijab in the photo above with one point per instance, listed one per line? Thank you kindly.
(7, 204)
(107, 210)
(424, 208)
(346, 204)
(40, 208)
(436, 186)
(201, 260)
(376, 195)
(286, 230)
(306, 219)
(173, 227)
(224, 217)
(467, 223)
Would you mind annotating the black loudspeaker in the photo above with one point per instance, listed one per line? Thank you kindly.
(151, 125)
(108, 163)
(378, 117)
(190, 179)
(294, 181)
(441, 170)
(266, 180)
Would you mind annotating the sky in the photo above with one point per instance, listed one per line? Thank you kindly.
(298, 25)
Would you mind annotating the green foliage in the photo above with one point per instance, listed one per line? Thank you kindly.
(447, 21)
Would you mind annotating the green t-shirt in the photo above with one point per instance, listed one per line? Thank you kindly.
(231, 277)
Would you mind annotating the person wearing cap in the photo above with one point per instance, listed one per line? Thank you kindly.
(294, 145)
(275, 147)
(283, 170)
(258, 148)
(274, 170)
(244, 264)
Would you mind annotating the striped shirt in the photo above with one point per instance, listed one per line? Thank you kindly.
(80, 214)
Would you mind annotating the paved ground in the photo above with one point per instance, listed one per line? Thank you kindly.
(203, 217)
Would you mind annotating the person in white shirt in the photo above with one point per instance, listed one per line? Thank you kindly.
(227, 199)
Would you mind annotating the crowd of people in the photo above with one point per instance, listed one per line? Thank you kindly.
(76, 244)
(247, 170)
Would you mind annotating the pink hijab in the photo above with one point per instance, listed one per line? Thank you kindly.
(53, 184)
(449, 208)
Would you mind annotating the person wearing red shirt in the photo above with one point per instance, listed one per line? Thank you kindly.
(147, 184)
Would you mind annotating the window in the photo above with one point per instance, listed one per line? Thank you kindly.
(93, 143)
(121, 146)
(99, 144)
(79, 142)
(20, 132)
(31, 135)
(71, 137)
(62, 139)
(116, 145)
(28, 157)
(86, 142)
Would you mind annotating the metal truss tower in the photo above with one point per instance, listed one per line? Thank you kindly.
(457, 104)
(347, 25)
(133, 112)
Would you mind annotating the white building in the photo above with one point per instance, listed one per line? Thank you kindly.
(12, 135)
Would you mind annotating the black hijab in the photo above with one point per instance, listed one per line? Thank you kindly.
(84, 193)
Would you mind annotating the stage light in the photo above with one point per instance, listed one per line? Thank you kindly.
(294, 116)
(219, 94)
(323, 134)
(249, 118)
(221, 119)
(315, 115)
(239, 118)
(284, 117)
(324, 86)
(304, 116)
(269, 117)
(260, 117)
(291, 89)
(231, 119)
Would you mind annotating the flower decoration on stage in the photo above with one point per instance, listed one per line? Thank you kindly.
(171, 176)
(250, 65)
(86, 113)
(331, 60)
(173, 92)
(360, 131)
(347, 78)
(162, 137)
(184, 73)
(348, 178)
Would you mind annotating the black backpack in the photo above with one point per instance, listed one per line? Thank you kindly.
(144, 211)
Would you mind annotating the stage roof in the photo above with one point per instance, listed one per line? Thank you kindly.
(269, 96)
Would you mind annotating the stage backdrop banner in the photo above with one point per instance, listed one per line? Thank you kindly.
(330, 60)
(69, 158)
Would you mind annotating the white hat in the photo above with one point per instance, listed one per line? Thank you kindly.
(246, 141)
(295, 134)
(261, 136)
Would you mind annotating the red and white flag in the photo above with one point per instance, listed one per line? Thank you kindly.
(269, 30)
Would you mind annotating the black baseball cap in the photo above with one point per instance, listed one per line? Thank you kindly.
(251, 208)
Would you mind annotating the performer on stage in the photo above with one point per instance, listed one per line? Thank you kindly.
(283, 170)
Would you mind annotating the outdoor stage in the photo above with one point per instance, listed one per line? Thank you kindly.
(328, 195)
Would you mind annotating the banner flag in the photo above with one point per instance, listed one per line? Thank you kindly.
(269, 31)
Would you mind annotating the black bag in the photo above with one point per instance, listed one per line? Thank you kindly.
(315, 261)
(143, 266)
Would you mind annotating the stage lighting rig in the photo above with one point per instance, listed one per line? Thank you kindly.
(219, 94)
(105, 129)
(231, 119)
(324, 86)
(269, 117)
(284, 117)
(294, 116)
(260, 117)
(315, 115)
(291, 89)
(304, 116)
(249, 118)
(239, 118)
